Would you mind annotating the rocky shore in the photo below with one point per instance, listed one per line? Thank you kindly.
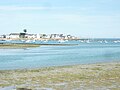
(102, 76)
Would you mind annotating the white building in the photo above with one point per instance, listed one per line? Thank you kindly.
(2, 36)
(31, 36)
(8, 36)
(38, 36)
(47, 36)
(55, 36)
(14, 35)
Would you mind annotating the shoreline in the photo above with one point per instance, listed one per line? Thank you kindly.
(28, 45)
(15, 45)
(99, 75)
(59, 66)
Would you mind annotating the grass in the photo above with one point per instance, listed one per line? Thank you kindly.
(18, 45)
(93, 76)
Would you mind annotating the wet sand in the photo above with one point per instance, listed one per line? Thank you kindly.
(101, 76)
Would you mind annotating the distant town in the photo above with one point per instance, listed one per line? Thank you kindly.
(27, 36)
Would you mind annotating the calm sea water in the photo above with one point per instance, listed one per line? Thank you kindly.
(89, 51)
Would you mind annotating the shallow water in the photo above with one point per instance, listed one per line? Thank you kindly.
(84, 53)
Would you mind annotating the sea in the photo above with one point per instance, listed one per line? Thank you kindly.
(86, 51)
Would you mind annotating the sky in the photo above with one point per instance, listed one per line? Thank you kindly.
(82, 18)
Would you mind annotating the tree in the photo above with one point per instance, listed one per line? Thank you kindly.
(25, 30)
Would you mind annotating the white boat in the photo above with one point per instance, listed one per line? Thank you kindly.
(100, 41)
(28, 41)
(88, 41)
(45, 41)
(117, 41)
(81, 41)
(106, 41)
(61, 41)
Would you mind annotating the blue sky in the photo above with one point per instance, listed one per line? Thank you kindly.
(84, 18)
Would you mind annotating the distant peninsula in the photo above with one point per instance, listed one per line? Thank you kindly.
(27, 36)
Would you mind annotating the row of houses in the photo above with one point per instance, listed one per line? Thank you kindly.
(18, 35)
(37, 36)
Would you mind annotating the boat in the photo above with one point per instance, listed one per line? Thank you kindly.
(61, 41)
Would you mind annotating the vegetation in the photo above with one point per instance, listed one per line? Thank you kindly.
(18, 45)
(25, 30)
(29, 45)
(79, 77)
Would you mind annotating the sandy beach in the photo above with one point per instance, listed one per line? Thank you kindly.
(101, 76)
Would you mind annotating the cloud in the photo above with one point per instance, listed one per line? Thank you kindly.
(13, 8)
(18, 8)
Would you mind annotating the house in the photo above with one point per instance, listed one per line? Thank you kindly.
(31, 36)
(55, 36)
(8, 36)
(22, 35)
(2, 36)
(47, 36)
(14, 35)
(43, 35)
(38, 36)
